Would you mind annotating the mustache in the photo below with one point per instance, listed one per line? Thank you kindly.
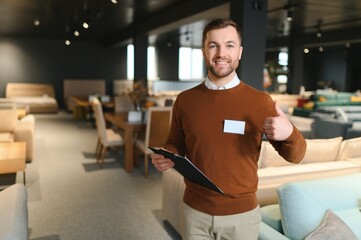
(221, 59)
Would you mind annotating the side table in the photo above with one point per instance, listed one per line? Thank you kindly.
(12, 158)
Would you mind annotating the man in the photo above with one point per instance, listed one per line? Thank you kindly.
(219, 126)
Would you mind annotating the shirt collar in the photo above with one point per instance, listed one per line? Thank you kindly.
(234, 82)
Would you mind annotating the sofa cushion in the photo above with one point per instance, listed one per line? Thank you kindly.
(6, 137)
(322, 150)
(350, 148)
(9, 119)
(303, 204)
(296, 172)
(352, 218)
(332, 227)
(272, 216)
(269, 157)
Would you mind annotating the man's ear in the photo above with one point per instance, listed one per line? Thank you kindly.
(240, 52)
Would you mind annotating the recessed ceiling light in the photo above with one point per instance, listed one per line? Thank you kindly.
(114, 1)
(36, 22)
(85, 25)
(306, 50)
(76, 33)
(67, 42)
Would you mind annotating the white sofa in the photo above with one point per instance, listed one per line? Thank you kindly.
(323, 158)
(14, 213)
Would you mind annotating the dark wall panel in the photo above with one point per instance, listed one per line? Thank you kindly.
(51, 61)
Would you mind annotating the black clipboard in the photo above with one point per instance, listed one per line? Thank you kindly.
(188, 169)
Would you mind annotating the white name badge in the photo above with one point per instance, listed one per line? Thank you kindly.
(233, 126)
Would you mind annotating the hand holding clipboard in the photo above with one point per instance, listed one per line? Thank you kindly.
(188, 169)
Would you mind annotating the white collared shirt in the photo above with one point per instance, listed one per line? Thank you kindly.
(234, 82)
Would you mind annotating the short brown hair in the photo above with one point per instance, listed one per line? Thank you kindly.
(219, 24)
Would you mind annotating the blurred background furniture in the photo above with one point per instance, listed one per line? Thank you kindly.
(107, 138)
(82, 89)
(156, 133)
(123, 104)
(328, 124)
(14, 213)
(12, 158)
(303, 124)
(38, 97)
(130, 129)
(14, 130)
(22, 110)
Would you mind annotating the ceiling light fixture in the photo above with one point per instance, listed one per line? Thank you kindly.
(319, 33)
(85, 25)
(289, 15)
(67, 42)
(114, 1)
(76, 33)
(306, 50)
(36, 22)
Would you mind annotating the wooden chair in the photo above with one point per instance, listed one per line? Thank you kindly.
(106, 137)
(156, 134)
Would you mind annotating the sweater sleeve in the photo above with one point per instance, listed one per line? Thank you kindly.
(293, 148)
(175, 142)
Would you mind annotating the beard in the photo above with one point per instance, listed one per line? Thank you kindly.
(224, 72)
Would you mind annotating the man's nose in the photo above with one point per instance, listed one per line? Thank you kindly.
(221, 51)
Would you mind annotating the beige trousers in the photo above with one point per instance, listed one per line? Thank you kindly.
(197, 225)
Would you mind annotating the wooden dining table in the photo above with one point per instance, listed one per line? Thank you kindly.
(120, 120)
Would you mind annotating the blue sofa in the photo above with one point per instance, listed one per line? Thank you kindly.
(303, 205)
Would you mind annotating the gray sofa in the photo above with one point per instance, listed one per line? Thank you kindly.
(334, 123)
(14, 213)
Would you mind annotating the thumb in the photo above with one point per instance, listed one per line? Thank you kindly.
(279, 110)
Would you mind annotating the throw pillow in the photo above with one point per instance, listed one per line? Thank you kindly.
(332, 227)
(322, 150)
(269, 157)
(9, 119)
(350, 148)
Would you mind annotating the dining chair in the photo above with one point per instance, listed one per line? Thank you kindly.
(107, 138)
(156, 133)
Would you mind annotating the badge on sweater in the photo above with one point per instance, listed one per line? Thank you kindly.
(233, 126)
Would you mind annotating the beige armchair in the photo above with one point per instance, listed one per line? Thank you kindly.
(14, 130)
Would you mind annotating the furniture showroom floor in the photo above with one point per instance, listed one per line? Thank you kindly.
(69, 197)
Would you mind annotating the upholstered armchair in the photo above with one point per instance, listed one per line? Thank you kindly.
(14, 130)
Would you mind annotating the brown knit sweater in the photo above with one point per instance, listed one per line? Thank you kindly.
(229, 160)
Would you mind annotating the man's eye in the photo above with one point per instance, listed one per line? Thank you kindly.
(230, 46)
(212, 46)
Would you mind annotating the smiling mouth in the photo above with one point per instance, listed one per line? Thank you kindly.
(221, 62)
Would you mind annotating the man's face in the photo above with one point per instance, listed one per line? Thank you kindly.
(222, 51)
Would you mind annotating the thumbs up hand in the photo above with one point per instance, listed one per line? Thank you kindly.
(277, 128)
